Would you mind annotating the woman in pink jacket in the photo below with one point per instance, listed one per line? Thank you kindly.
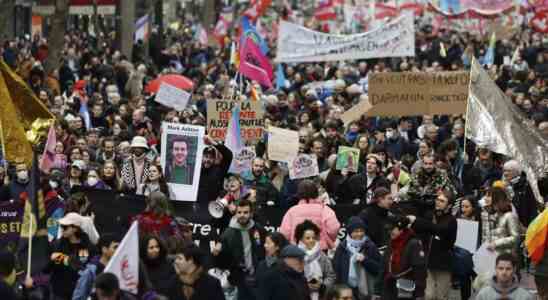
(313, 209)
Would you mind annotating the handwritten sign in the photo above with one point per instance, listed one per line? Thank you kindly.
(242, 159)
(173, 97)
(348, 158)
(413, 93)
(251, 119)
(303, 166)
(283, 144)
(356, 111)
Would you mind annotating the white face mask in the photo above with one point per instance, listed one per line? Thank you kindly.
(53, 184)
(23, 175)
(92, 181)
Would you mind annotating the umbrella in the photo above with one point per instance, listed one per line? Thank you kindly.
(177, 81)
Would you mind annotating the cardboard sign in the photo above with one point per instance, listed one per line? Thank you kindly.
(303, 166)
(251, 119)
(348, 158)
(356, 111)
(413, 93)
(241, 161)
(173, 97)
(283, 144)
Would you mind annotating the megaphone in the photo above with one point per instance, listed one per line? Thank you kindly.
(217, 208)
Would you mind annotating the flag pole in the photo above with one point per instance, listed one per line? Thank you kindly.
(2, 143)
(29, 256)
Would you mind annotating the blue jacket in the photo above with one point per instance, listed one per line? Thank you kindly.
(341, 261)
(84, 285)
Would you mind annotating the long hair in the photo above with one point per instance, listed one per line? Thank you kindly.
(161, 181)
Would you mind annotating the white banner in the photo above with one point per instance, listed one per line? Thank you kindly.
(300, 44)
(172, 96)
(125, 261)
(182, 149)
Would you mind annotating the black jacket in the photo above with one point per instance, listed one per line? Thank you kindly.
(205, 287)
(212, 178)
(413, 259)
(160, 273)
(286, 283)
(378, 227)
(356, 187)
(439, 234)
(524, 201)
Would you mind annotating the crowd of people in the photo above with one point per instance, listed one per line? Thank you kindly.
(417, 176)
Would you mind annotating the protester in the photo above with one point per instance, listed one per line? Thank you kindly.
(107, 286)
(359, 188)
(135, 169)
(192, 281)
(310, 208)
(158, 266)
(505, 283)
(155, 182)
(317, 266)
(240, 250)
(287, 281)
(339, 292)
(520, 192)
(357, 261)
(273, 244)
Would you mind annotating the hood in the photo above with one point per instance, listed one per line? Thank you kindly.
(311, 201)
(234, 224)
(504, 290)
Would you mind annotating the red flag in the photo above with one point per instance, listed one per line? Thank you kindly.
(48, 157)
(325, 11)
(257, 9)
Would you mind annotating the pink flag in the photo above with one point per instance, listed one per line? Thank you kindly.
(48, 157)
(254, 64)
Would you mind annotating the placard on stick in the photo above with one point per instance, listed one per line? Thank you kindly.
(251, 119)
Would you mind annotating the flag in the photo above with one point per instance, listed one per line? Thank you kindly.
(249, 31)
(257, 8)
(489, 58)
(535, 238)
(142, 29)
(84, 112)
(221, 30)
(325, 11)
(19, 108)
(233, 138)
(125, 261)
(495, 123)
(201, 35)
(254, 64)
(280, 77)
(48, 156)
(34, 224)
(234, 55)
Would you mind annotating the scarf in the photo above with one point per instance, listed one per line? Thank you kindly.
(189, 280)
(246, 242)
(312, 267)
(354, 247)
(397, 246)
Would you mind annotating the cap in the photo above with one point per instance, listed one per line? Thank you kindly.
(72, 218)
(380, 192)
(80, 164)
(354, 223)
(139, 142)
(292, 251)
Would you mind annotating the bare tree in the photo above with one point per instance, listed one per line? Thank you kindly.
(56, 41)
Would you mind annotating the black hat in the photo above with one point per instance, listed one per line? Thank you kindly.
(354, 223)
(292, 251)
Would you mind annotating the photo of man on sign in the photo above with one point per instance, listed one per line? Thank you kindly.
(181, 159)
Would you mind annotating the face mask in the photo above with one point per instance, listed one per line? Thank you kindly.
(23, 175)
(92, 181)
(53, 184)
(389, 134)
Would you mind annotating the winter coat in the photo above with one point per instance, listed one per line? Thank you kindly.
(329, 275)
(286, 283)
(232, 257)
(439, 236)
(65, 275)
(317, 212)
(372, 263)
(356, 187)
(495, 291)
(506, 235)
(377, 226)
(211, 179)
(262, 274)
(159, 272)
(413, 259)
(266, 191)
(524, 201)
(205, 287)
(84, 285)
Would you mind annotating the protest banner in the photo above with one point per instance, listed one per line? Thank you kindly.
(348, 158)
(412, 94)
(356, 111)
(172, 96)
(125, 261)
(303, 166)
(241, 161)
(11, 214)
(251, 119)
(467, 235)
(300, 44)
(283, 144)
(182, 149)
(474, 7)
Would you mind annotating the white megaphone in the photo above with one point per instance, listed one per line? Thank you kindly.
(217, 208)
